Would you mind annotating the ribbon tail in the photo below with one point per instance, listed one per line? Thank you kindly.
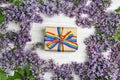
(51, 35)
(68, 35)
(73, 39)
(71, 44)
(60, 31)
(51, 45)
(60, 47)
(48, 39)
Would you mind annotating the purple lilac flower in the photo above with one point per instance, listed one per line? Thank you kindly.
(62, 72)
(97, 67)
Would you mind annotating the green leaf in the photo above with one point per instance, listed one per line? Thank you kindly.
(32, 78)
(17, 79)
(118, 9)
(1, 10)
(3, 75)
(17, 75)
(40, 1)
(99, 31)
(13, 78)
(2, 17)
(1, 36)
(11, 1)
(27, 70)
(20, 71)
(117, 36)
(10, 78)
(18, 2)
(0, 49)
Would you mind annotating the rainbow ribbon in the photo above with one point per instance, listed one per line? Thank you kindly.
(68, 39)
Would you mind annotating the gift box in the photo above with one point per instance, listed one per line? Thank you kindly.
(60, 39)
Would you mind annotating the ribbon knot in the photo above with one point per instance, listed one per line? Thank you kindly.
(68, 39)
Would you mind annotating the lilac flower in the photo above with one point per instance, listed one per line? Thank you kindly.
(84, 22)
(62, 72)
(48, 7)
(35, 63)
(97, 67)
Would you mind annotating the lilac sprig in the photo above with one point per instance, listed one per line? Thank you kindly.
(21, 14)
(59, 72)
(96, 68)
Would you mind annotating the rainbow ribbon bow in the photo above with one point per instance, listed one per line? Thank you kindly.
(68, 39)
